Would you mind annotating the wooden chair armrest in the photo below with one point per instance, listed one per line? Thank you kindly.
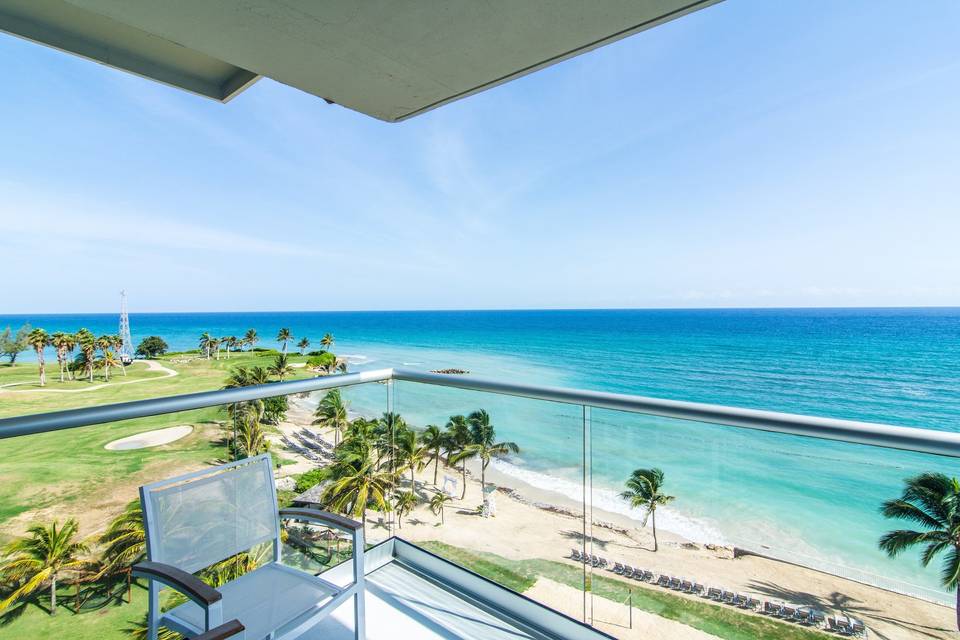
(186, 583)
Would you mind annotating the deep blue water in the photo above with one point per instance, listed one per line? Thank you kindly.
(794, 495)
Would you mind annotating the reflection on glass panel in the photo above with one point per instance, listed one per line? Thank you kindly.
(757, 531)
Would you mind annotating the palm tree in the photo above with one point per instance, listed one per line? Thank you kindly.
(109, 360)
(284, 336)
(38, 339)
(359, 485)
(69, 344)
(438, 502)
(433, 441)
(40, 558)
(206, 343)
(117, 343)
(215, 345)
(124, 540)
(251, 338)
(280, 367)
(59, 341)
(644, 490)
(231, 343)
(88, 347)
(403, 504)
(484, 445)
(302, 345)
(409, 454)
(104, 343)
(332, 413)
(389, 426)
(932, 502)
(327, 341)
(248, 434)
(457, 438)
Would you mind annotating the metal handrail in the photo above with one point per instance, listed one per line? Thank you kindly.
(73, 418)
(930, 441)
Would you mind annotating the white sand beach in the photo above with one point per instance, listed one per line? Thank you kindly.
(525, 528)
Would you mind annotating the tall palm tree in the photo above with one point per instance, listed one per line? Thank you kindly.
(433, 441)
(932, 502)
(332, 413)
(284, 336)
(457, 439)
(484, 445)
(248, 434)
(38, 339)
(216, 344)
(302, 345)
(206, 343)
(404, 503)
(327, 341)
(438, 501)
(358, 486)
(280, 367)
(388, 428)
(117, 343)
(104, 343)
(251, 338)
(88, 347)
(124, 541)
(644, 489)
(69, 344)
(409, 454)
(59, 341)
(231, 343)
(40, 558)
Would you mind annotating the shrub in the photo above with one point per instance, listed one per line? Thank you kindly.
(311, 479)
(325, 359)
(151, 347)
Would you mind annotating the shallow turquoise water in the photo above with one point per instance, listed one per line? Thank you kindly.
(806, 499)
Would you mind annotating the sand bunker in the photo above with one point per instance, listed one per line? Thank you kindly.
(150, 438)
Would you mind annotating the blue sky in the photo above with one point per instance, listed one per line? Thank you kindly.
(790, 153)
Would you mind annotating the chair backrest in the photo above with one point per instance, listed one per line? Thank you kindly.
(198, 519)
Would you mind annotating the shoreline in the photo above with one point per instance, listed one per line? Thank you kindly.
(532, 522)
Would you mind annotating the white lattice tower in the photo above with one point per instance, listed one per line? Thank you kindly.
(126, 351)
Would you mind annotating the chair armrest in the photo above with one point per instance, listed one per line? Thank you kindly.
(323, 517)
(224, 631)
(186, 583)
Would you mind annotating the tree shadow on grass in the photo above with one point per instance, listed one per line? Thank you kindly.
(838, 601)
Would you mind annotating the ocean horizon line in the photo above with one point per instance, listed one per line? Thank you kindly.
(495, 310)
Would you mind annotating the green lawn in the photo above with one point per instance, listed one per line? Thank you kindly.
(66, 474)
(719, 620)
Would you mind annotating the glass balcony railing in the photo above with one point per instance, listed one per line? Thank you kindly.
(643, 518)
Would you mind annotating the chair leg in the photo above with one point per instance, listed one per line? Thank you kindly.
(153, 610)
(359, 614)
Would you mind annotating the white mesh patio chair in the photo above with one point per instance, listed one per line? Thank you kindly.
(201, 518)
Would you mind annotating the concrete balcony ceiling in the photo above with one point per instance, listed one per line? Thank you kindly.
(388, 59)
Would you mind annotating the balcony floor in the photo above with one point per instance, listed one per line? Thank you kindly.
(414, 594)
(403, 604)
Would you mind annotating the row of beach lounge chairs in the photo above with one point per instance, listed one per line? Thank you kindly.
(807, 616)
(309, 445)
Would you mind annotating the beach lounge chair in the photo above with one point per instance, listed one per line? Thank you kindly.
(697, 589)
(617, 568)
(752, 603)
(740, 600)
(857, 627)
(727, 597)
(198, 519)
(575, 555)
(646, 576)
(676, 583)
(817, 617)
(686, 586)
(628, 571)
(788, 611)
(714, 593)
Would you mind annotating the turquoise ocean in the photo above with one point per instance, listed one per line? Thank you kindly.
(810, 501)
